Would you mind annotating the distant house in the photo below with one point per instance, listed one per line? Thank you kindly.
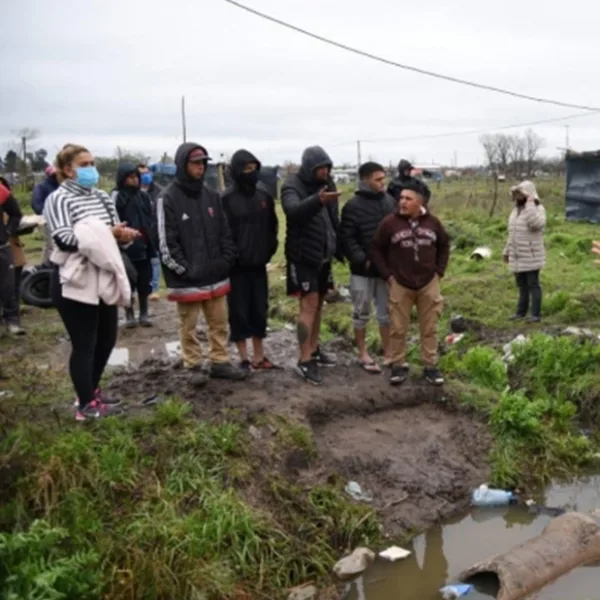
(431, 172)
(583, 186)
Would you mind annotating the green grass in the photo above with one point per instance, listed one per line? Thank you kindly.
(168, 507)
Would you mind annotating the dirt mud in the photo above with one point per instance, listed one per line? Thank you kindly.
(412, 448)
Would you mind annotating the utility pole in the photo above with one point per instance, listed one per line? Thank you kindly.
(358, 157)
(567, 137)
(183, 123)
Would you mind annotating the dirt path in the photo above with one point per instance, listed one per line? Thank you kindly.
(411, 447)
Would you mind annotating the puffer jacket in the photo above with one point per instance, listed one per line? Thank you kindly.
(307, 226)
(525, 244)
(361, 216)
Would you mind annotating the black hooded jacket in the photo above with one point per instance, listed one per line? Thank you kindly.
(307, 217)
(134, 208)
(250, 211)
(361, 216)
(195, 243)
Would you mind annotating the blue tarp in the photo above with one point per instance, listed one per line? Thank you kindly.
(583, 188)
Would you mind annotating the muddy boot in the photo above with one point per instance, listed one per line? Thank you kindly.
(130, 322)
(144, 319)
(226, 370)
(198, 378)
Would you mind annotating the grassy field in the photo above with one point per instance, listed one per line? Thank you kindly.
(170, 507)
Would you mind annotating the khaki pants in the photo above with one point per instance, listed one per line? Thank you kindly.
(215, 313)
(429, 303)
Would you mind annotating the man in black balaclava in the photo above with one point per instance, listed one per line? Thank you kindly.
(250, 211)
(404, 175)
(197, 254)
(133, 207)
(310, 203)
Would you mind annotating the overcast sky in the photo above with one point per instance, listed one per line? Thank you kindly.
(107, 73)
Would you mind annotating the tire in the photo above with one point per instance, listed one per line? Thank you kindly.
(35, 289)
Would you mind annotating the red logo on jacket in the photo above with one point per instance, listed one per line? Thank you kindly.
(211, 211)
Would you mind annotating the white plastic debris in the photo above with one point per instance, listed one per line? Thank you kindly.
(508, 348)
(481, 253)
(394, 553)
(354, 490)
(454, 338)
(354, 564)
(458, 590)
(578, 332)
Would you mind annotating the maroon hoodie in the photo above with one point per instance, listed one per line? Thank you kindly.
(414, 251)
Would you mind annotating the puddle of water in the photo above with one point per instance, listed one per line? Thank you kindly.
(443, 552)
(124, 356)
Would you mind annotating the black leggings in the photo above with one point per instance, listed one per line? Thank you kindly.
(93, 333)
(528, 283)
(8, 297)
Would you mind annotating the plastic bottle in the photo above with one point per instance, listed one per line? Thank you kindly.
(485, 496)
(451, 592)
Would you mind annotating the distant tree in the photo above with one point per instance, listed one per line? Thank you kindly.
(517, 154)
(10, 161)
(488, 142)
(533, 144)
(503, 145)
(127, 156)
(39, 162)
(166, 159)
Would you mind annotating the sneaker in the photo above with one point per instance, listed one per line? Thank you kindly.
(516, 318)
(433, 375)
(92, 411)
(145, 321)
(323, 359)
(309, 371)
(246, 366)
(534, 319)
(106, 400)
(226, 370)
(16, 330)
(398, 374)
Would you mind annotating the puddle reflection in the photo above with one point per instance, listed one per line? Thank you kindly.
(124, 356)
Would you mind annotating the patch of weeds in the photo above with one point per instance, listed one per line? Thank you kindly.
(479, 365)
(295, 436)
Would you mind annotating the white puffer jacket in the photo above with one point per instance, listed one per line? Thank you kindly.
(526, 224)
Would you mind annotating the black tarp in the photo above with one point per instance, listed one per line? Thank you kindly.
(583, 187)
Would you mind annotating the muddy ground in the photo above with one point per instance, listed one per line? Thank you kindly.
(412, 448)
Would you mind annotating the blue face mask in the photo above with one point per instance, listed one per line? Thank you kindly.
(87, 176)
(146, 179)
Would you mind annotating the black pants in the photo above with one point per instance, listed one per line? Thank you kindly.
(143, 286)
(93, 333)
(528, 283)
(248, 304)
(8, 296)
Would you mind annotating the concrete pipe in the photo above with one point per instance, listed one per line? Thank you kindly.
(569, 541)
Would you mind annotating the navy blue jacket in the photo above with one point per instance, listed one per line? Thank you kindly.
(41, 191)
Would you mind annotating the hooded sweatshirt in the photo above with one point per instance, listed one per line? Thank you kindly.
(134, 208)
(41, 191)
(361, 216)
(311, 237)
(414, 251)
(195, 243)
(250, 211)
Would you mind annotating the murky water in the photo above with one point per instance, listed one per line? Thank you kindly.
(443, 552)
(124, 356)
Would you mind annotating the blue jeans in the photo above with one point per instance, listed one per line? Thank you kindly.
(155, 274)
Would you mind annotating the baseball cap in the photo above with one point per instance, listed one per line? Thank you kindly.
(198, 155)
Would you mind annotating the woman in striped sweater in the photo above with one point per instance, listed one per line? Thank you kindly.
(91, 327)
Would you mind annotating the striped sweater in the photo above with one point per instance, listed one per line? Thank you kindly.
(70, 204)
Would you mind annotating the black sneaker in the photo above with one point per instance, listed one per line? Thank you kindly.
(323, 359)
(433, 375)
(534, 320)
(398, 374)
(516, 318)
(309, 371)
(226, 370)
(246, 366)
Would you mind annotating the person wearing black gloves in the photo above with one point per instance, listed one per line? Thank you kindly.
(250, 211)
(134, 208)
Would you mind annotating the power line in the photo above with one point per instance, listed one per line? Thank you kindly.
(392, 63)
(467, 132)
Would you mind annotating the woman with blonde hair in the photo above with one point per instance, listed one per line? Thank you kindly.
(92, 327)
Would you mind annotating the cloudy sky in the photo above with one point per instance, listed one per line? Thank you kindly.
(107, 73)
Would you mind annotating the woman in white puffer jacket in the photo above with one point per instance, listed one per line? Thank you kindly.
(524, 251)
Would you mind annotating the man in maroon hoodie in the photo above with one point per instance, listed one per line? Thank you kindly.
(411, 250)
